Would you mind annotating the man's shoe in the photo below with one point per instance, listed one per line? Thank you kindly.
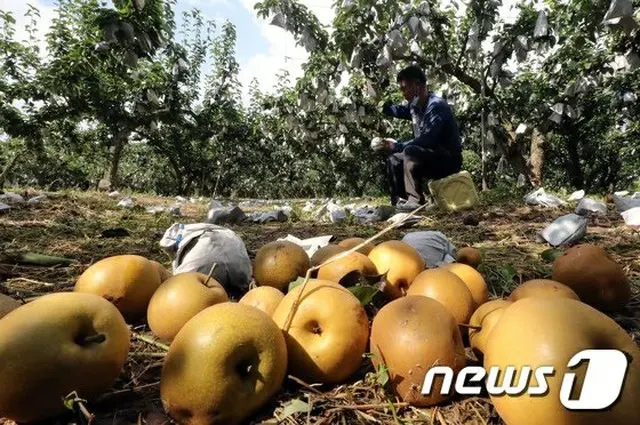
(410, 206)
(407, 206)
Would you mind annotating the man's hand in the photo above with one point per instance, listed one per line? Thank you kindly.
(388, 145)
(383, 145)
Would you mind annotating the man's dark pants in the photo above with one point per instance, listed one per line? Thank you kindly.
(408, 169)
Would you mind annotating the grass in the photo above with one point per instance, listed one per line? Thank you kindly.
(69, 224)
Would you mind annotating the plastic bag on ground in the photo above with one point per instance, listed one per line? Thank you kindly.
(395, 219)
(126, 203)
(198, 246)
(577, 195)
(4, 207)
(369, 215)
(433, 246)
(624, 203)
(37, 199)
(631, 216)
(265, 217)
(591, 207)
(565, 230)
(310, 245)
(11, 198)
(540, 197)
(220, 215)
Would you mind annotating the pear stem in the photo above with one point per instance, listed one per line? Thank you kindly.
(213, 267)
(97, 338)
(475, 328)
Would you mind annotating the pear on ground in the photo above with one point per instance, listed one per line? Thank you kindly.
(326, 333)
(279, 263)
(473, 279)
(57, 344)
(482, 322)
(162, 270)
(446, 288)
(127, 281)
(265, 298)
(354, 242)
(400, 263)
(225, 364)
(542, 288)
(179, 299)
(537, 332)
(347, 270)
(409, 336)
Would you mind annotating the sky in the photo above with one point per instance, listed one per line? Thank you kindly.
(262, 50)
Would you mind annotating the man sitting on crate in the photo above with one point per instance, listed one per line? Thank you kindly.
(435, 151)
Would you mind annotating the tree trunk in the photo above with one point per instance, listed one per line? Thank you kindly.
(538, 142)
(8, 168)
(121, 137)
(576, 173)
(512, 151)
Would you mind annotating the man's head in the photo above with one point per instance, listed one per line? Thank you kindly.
(413, 83)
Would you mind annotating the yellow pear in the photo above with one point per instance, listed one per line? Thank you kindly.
(128, 281)
(265, 298)
(57, 344)
(537, 332)
(327, 333)
(224, 365)
(179, 299)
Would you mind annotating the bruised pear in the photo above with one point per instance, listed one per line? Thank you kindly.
(57, 344)
(265, 298)
(279, 263)
(128, 281)
(410, 335)
(544, 288)
(353, 242)
(594, 276)
(179, 299)
(7, 305)
(401, 262)
(224, 365)
(347, 270)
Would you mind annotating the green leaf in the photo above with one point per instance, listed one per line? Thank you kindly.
(551, 254)
(295, 406)
(364, 293)
(297, 282)
(382, 374)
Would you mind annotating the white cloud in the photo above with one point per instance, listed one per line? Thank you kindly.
(282, 53)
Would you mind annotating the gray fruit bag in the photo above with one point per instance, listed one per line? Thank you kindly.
(433, 246)
(197, 247)
(565, 230)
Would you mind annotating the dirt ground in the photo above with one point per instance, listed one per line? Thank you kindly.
(71, 225)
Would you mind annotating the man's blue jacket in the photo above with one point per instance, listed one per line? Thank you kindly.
(435, 125)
